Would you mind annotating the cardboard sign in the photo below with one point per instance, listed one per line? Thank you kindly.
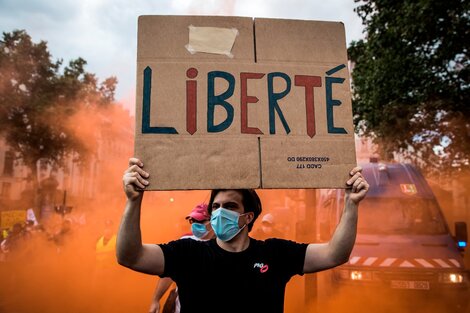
(235, 102)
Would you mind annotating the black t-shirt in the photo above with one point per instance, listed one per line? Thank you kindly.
(211, 279)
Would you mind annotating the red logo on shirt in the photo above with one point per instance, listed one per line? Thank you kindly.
(263, 268)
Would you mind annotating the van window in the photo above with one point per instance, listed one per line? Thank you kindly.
(398, 216)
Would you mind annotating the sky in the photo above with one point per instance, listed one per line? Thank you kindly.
(104, 32)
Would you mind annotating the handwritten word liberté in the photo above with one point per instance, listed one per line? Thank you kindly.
(309, 83)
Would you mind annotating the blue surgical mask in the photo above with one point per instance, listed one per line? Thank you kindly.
(225, 223)
(199, 230)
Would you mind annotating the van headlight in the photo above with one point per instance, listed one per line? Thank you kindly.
(451, 278)
(355, 275)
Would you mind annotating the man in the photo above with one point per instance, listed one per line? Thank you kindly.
(232, 273)
(199, 219)
(268, 229)
(13, 239)
(106, 271)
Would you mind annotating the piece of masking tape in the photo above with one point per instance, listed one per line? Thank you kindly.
(211, 40)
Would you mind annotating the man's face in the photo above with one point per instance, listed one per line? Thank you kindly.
(266, 227)
(232, 200)
(207, 224)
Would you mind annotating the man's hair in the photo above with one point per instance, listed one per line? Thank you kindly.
(250, 200)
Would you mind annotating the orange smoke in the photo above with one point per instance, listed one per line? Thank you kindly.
(61, 273)
(57, 270)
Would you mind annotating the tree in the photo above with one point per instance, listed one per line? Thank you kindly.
(411, 80)
(38, 97)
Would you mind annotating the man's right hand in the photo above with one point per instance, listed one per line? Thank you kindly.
(134, 179)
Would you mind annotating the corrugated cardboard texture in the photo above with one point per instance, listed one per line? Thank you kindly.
(294, 41)
(260, 128)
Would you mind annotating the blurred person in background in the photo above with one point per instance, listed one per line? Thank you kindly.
(106, 246)
(233, 272)
(107, 275)
(14, 239)
(199, 219)
(29, 226)
(62, 235)
(268, 229)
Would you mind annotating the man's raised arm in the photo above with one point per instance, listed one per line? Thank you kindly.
(338, 249)
(130, 251)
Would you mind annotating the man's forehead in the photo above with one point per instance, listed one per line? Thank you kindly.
(228, 196)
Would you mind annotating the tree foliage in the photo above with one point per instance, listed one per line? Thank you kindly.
(38, 96)
(411, 79)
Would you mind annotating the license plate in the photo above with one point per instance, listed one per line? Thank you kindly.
(409, 284)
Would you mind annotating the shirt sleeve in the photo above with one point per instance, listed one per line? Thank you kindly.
(179, 257)
(290, 254)
(174, 253)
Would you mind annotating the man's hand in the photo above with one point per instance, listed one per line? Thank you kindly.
(134, 179)
(358, 186)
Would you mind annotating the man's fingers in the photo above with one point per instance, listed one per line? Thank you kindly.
(135, 165)
(141, 172)
(135, 161)
(355, 173)
(356, 183)
(140, 178)
(361, 186)
(354, 178)
(134, 178)
(130, 177)
(134, 181)
(355, 170)
(136, 169)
